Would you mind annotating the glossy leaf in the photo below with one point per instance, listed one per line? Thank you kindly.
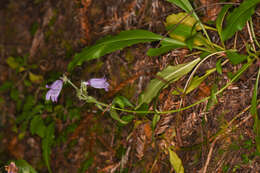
(112, 43)
(176, 162)
(238, 17)
(169, 74)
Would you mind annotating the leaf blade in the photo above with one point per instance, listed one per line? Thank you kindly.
(169, 74)
(113, 43)
(237, 19)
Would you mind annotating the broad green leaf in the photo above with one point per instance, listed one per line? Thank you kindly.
(37, 126)
(174, 19)
(184, 32)
(235, 58)
(220, 19)
(187, 7)
(238, 17)
(24, 167)
(112, 43)
(169, 74)
(115, 116)
(253, 111)
(176, 162)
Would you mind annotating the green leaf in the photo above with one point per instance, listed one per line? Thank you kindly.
(213, 98)
(24, 167)
(122, 101)
(175, 162)
(220, 19)
(156, 118)
(219, 67)
(35, 78)
(235, 58)
(116, 117)
(170, 74)
(113, 43)
(165, 47)
(184, 18)
(47, 143)
(12, 62)
(238, 17)
(253, 111)
(196, 81)
(6, 86)
(187, 7)
(37, 126)
(183, 4)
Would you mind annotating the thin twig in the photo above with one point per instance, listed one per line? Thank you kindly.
(209, 155)
(250, 36)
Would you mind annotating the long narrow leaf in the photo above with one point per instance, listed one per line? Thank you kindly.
(112, 43)
(220, 19)
(253, 111)
(170, 74)
(237, 19)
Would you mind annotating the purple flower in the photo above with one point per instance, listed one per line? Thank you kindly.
(54, 91)
(98, 83)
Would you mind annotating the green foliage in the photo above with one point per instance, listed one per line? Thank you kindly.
(175, 161)
(183, 4)
(112, 43)
(254, 113)
(47, 143)
(122, 102)
(235, 58)
(220, 19)
(168, 75)
(37, 126)
(24, 167)
(237, 18)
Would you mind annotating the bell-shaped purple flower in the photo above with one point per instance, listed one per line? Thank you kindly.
(54, 91)
(98, 83)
